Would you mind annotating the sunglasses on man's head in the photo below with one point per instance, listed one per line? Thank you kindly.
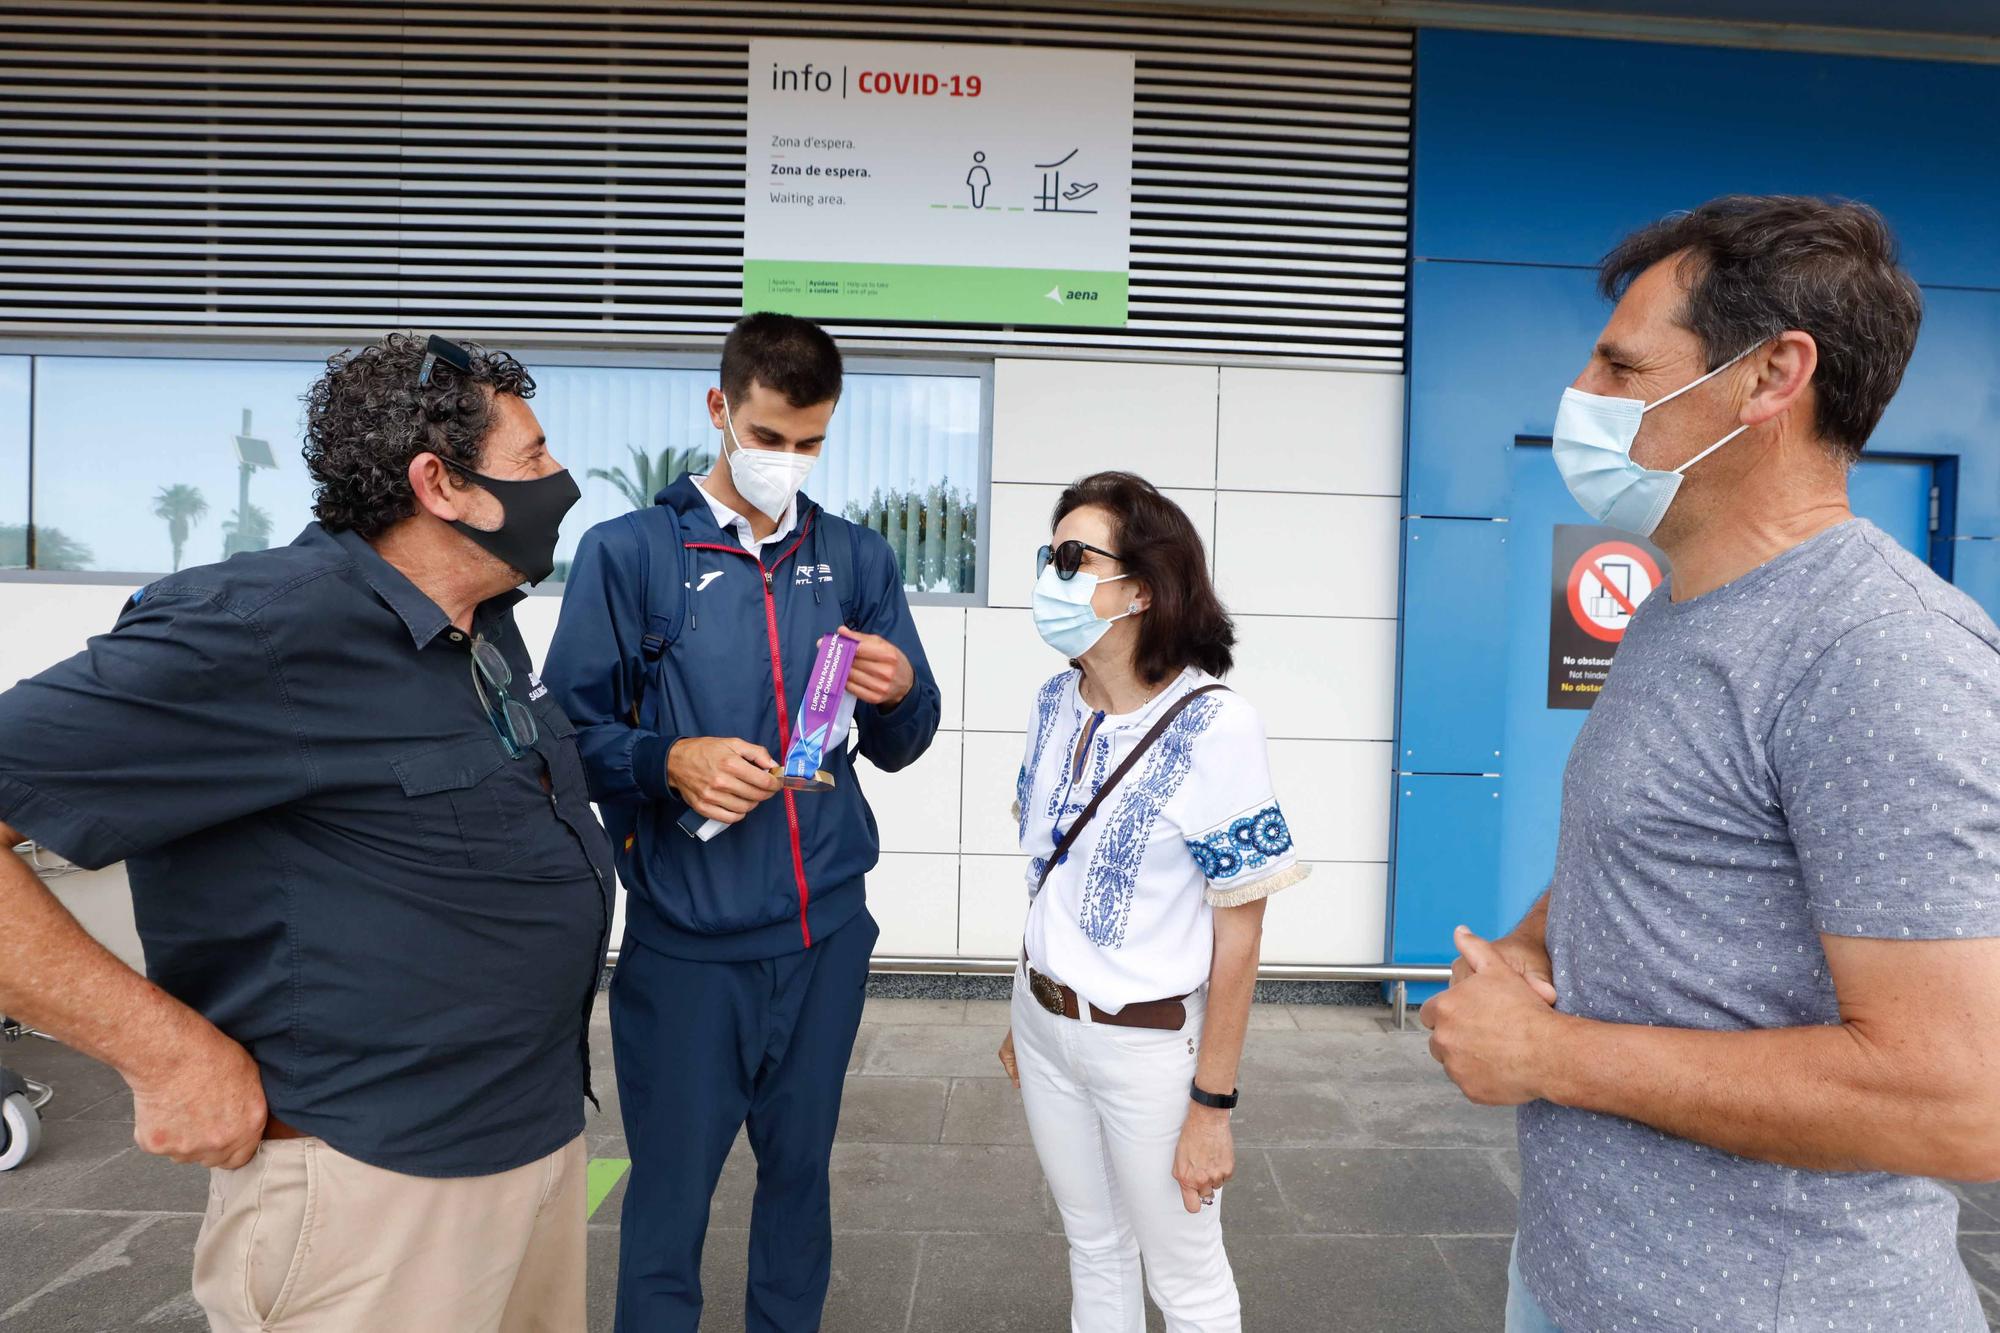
(443, 349)
(1067, 557)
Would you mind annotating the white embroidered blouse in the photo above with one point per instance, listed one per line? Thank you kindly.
(1127, 915)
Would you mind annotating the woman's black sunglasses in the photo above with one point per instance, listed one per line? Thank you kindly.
(1067, 558)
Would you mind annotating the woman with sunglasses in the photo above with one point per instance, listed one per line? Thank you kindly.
(1154, 838)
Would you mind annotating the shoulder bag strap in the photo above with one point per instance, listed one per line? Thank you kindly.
(1145, 744)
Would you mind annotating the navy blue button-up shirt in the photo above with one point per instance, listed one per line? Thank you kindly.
(332, 856)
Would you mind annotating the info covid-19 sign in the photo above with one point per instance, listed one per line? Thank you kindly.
(938, 184)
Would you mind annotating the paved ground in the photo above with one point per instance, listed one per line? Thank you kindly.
(1370, 1198)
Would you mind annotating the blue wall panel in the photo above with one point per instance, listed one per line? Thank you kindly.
(1492, 348)
(1950, 399)
(1539, 150)
(1533, 156)
(1536, 739)
(1454, 613)
(1447, 845)
(1976, 568)
(1895, 494)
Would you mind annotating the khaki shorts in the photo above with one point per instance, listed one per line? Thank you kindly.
(306, 1240)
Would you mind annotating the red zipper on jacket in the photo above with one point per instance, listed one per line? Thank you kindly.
(784, 714)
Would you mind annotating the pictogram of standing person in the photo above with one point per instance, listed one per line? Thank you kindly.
(979, 180)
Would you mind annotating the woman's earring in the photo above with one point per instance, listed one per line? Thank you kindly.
(1132, 610)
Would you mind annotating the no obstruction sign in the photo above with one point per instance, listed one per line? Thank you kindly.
(1606, 585)
(1598, 578)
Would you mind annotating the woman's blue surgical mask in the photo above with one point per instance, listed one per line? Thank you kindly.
(1593, 451)
(1064, 615)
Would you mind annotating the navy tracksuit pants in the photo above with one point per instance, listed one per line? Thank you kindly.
(702, 1049)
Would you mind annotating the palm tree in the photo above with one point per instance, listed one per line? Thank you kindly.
(648, 476)
(182, 507)
(251, 535)
(54, 548)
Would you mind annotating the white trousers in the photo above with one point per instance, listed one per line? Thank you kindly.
(1105, 1107)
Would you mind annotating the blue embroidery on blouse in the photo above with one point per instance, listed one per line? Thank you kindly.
(1062, 790)
(1114, 868)
(1248, 843)
(1046, 704)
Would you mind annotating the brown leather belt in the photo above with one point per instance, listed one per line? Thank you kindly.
(275, 1129)
(1164, 1015)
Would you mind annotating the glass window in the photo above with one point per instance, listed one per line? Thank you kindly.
(144, 464)
(902, 456)
(141, 464)
(624, 433)
(14, 462)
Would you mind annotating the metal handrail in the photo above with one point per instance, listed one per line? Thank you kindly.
(1397, 975)
(1405, 972)
(1268, 972)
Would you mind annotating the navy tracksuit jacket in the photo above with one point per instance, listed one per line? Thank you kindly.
(740, 981)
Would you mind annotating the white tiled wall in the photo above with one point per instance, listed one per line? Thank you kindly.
(1005, 660)
(1307, 431)
(916, 810)
(992, 900)
(1056, 420)
(1273, 556)
(915, 899)
(1291, 476)
(43, 623)
(942, 628)
(1338, 915)
(992, 762)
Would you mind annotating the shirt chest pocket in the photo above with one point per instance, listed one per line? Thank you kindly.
(557, 746)
(460, 797)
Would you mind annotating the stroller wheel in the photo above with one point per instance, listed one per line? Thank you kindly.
(20, 1131)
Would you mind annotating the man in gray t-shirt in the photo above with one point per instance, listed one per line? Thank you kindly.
(1770, 938)
(1811, 750)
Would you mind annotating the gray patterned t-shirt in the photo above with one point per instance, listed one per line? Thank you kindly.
(1811, 749)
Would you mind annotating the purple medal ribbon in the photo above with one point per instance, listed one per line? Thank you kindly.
(825, 714)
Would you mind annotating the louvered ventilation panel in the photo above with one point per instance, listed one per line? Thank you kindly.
(562, 174)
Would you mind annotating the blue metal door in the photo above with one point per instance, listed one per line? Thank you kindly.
(1895, 495)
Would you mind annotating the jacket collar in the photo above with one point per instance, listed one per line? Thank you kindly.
(424, 618)
(690, 505)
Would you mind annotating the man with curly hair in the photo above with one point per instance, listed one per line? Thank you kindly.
(371, 891)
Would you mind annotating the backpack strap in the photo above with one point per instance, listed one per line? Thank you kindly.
(843, 576)
(1131, 760)
(662, 591)
(846, 590)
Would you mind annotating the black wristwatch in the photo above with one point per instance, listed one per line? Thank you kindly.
(1213, 1101)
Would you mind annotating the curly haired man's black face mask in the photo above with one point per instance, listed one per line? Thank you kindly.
(531, 518)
